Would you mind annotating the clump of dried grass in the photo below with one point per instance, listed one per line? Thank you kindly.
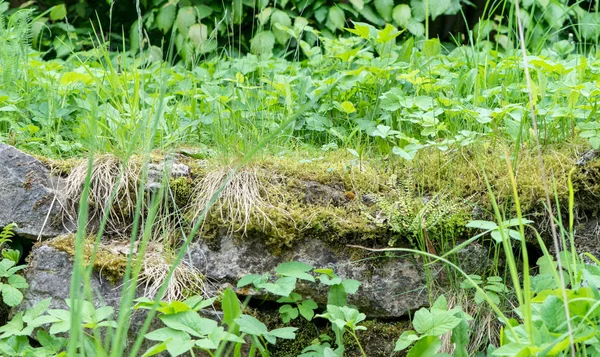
(186, 279)
(109, 174)
(245, 199)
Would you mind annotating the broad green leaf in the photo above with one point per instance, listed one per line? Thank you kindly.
(402, 15)
(283, 19)
(166, 17)
(307, 309)
(284, 332)
(203, 11)
(262, 43)
(190, 322)
(384, 8)
(553, 314)
(198, 33)
(348, 107)
(167, 333)
(11, 296)
(438, 7)
(435, 323)
(336, 17)
(230, 304)
(238, 11)
(406, 339)
(371, 16)
(251, 325)
(282, 287)
(432, 47)
(295, 269)
(186, 17)
(58, 12)
(337, 295)
(426, 347)
(350, 285)
(251, 279)
(358, 4)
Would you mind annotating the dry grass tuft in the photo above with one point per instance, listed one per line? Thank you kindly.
(186, 280)
(485, 327)
(245, 199)
(109, 175)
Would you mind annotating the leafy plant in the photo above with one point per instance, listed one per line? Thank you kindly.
(430, 324)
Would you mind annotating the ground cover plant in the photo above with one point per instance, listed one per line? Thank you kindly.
(460, 144)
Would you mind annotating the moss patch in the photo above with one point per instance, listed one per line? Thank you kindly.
(110, 264)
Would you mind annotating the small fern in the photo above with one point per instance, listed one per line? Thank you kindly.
(7, 233)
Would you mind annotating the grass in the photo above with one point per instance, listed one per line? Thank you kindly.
(434, 134)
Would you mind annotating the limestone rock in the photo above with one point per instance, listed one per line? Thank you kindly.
(28, 195)
(390, 287)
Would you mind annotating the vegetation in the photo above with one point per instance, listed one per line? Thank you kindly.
(345, 122)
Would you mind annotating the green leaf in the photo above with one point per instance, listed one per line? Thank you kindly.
(432, 47)
(552, 313)
(186, 17)
(251, 279)
(351, 286)
(434, 323)
(58, 12)
(230, 304)
(384, 8)
(288, 313)
(198, 33)
(262, 43)
(371, 16)
(17, 282)
(237, 11)
(282, 287)
(336, 18)
(251, 325)
(438, 7)
(203, 11)
(306, 309)
(487, 225)
(166, 17)
(416, 28)
(190, 322)
(11, 296)
(295, 269)
(166, 333)
(337, 295)
(283, 19)
(402, 15)
(284, 332)
(358, 4)
(406, 339)
(426, 347)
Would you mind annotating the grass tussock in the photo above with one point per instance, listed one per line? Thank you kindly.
(109, 177)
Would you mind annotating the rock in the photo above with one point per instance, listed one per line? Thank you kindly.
(29, 196)
(49, 276)
(390, 287)
(157, 172)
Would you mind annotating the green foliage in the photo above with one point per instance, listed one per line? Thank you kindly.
(430, 324)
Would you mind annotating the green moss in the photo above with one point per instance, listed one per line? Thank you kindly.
(110, 264)
(182, 189)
